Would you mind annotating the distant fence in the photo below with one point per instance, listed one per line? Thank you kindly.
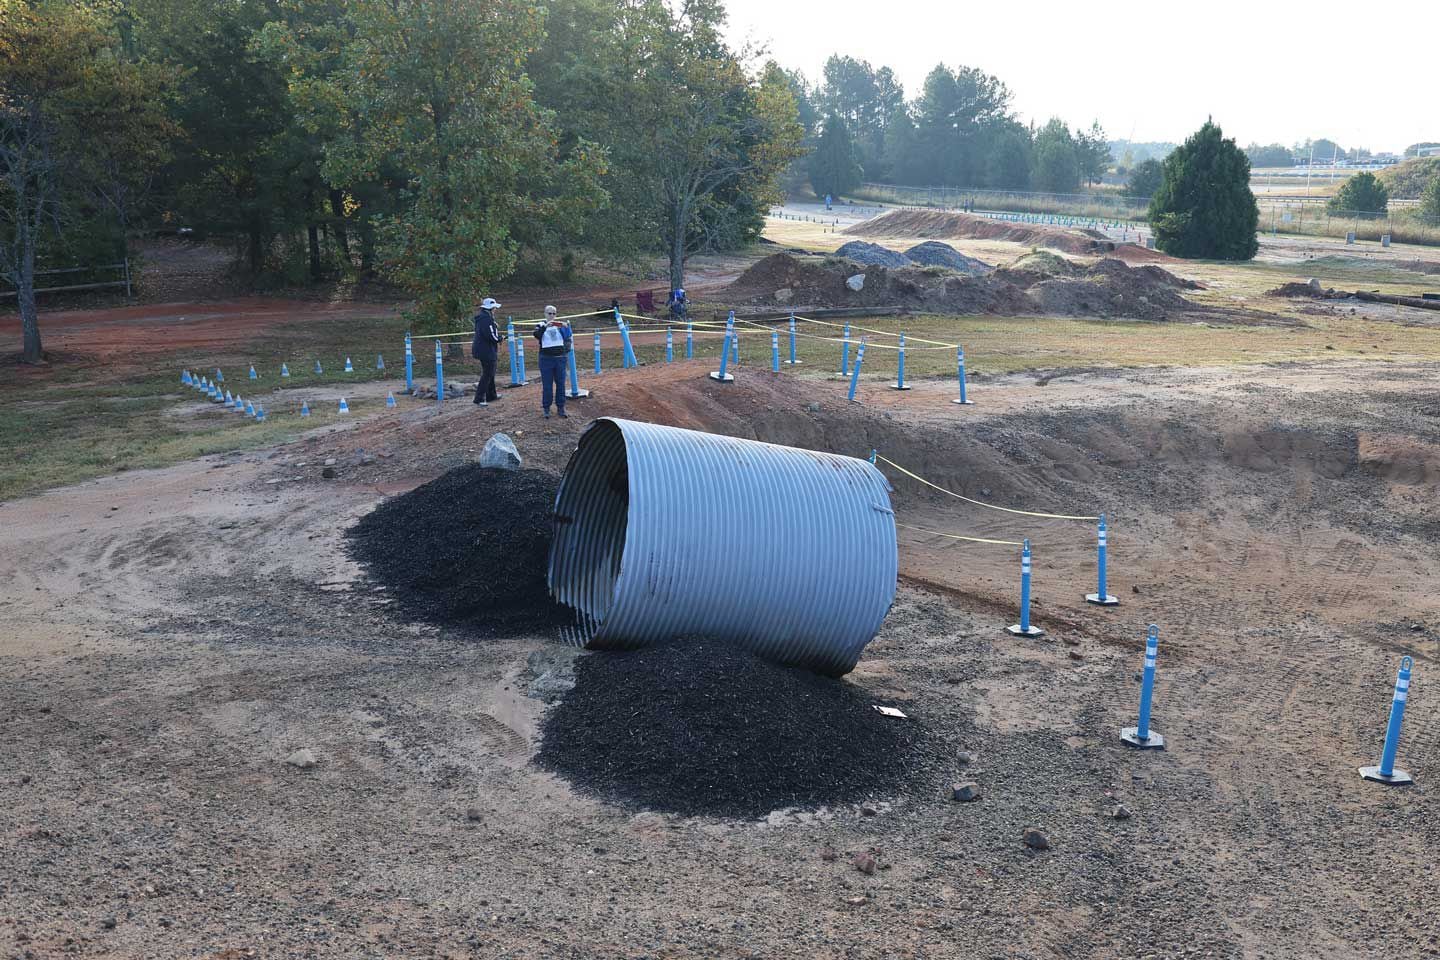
(121, 269)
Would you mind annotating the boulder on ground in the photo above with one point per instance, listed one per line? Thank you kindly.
(500, 453)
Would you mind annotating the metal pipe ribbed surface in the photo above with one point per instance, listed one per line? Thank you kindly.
(662, 533)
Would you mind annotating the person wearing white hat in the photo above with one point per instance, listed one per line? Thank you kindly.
(483, 347)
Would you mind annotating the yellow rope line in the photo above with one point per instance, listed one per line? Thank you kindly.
(980, 503)
(884, 333)
(956, 536)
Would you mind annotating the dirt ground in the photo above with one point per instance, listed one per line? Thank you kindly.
(174, 635)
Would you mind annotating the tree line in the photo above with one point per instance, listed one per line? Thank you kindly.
(960, 130)
(438, 144)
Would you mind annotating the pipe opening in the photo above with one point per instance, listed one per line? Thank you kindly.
(589, 546)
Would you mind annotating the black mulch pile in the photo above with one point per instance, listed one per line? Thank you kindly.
(706, 728)
(470, 547)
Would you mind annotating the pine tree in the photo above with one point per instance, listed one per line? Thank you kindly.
(1362, 193)
(1204, 207)
(834, 168)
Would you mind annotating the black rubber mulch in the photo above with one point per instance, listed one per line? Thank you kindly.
(706, 728)
(469, 548)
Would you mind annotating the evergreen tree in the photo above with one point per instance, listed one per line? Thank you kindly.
(1362, 193)
(1057, 160)
(1145, 179)
(1204, 207)
(834, 168)
(1430, 201)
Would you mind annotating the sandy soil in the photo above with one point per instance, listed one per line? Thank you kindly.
(174, 635)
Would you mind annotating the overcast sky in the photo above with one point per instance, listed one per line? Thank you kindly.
(1267, 71)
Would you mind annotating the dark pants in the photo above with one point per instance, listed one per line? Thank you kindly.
(485, 389)
(552, 381)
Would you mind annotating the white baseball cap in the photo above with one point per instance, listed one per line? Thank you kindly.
(490, 303)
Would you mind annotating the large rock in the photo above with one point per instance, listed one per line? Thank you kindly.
(500, 453)
(856, 283)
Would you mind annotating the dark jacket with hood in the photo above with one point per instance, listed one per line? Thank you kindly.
(487, 335)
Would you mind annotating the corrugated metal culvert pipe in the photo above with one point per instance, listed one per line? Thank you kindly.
(663, 533)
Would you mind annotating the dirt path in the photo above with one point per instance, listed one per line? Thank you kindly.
(176, 634)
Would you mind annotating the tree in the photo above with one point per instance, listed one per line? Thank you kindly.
(1270, 155)
(957, 116)
(1204, 207)
(1145, 179)
(435, 89)
(1057, 163)
(834, 168)
(1362, 193)
(1430, 201)
(79, 126)
(1092, 151)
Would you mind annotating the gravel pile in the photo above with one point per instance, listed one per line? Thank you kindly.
(470, 548)
(703, 728)
(872, 254)
(933, 253)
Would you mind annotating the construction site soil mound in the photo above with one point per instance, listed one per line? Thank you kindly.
(941, 225)
(702, 728)
(872, 254)
(469, 548)
(1038, 284)
(933, 253)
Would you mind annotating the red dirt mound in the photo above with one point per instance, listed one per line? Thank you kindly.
(1037, 284)
(938, 224)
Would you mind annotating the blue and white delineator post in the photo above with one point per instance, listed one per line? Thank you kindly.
(1100, 597)
(439, 374)
(379, 362)
(219, 377)
(390, 399)
(1386, 772)
(730, 338)
(253, 374)
(285, 371)
(960, 374)
(855, 375)
(185, 377)
(520, 363)
(304, 409)
(628, 349)
(899, 383)
(597, 352)
(575, 392)
(669, 345)
(845, 353)
(689, 340)
(319, 369)
(409, 364)
(510, 342)
(720, 374)
(344, 407)
(1140, 735)
(349, 367)
(1024, 628)
(793, 361)
(774, 351)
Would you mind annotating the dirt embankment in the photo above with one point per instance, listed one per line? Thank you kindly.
(1035, 284)
(940, 225)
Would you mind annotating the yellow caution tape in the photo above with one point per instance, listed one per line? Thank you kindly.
(980, 503)
(956, 536)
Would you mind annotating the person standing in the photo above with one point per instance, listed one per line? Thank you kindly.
(483, 347)
(555, 346)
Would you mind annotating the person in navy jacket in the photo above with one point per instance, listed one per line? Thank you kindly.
(555, 346)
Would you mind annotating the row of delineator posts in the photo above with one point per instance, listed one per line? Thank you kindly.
(1143, 737)
(729, 356)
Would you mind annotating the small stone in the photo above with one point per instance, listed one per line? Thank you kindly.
(500, 453)
(1076, 655)
(964, 757)
(967, 792)
(108, 923)
(303, 758)
(474, 815)
(856, 901)
(328, 473)
(1121, 812)
(329, 461)
(1034, 839)
(813, 407)
(865, 863)
(1134, 589)
(868, 811)
(984, 491)
(828, 854)
(1417, 627)
(783, 295)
